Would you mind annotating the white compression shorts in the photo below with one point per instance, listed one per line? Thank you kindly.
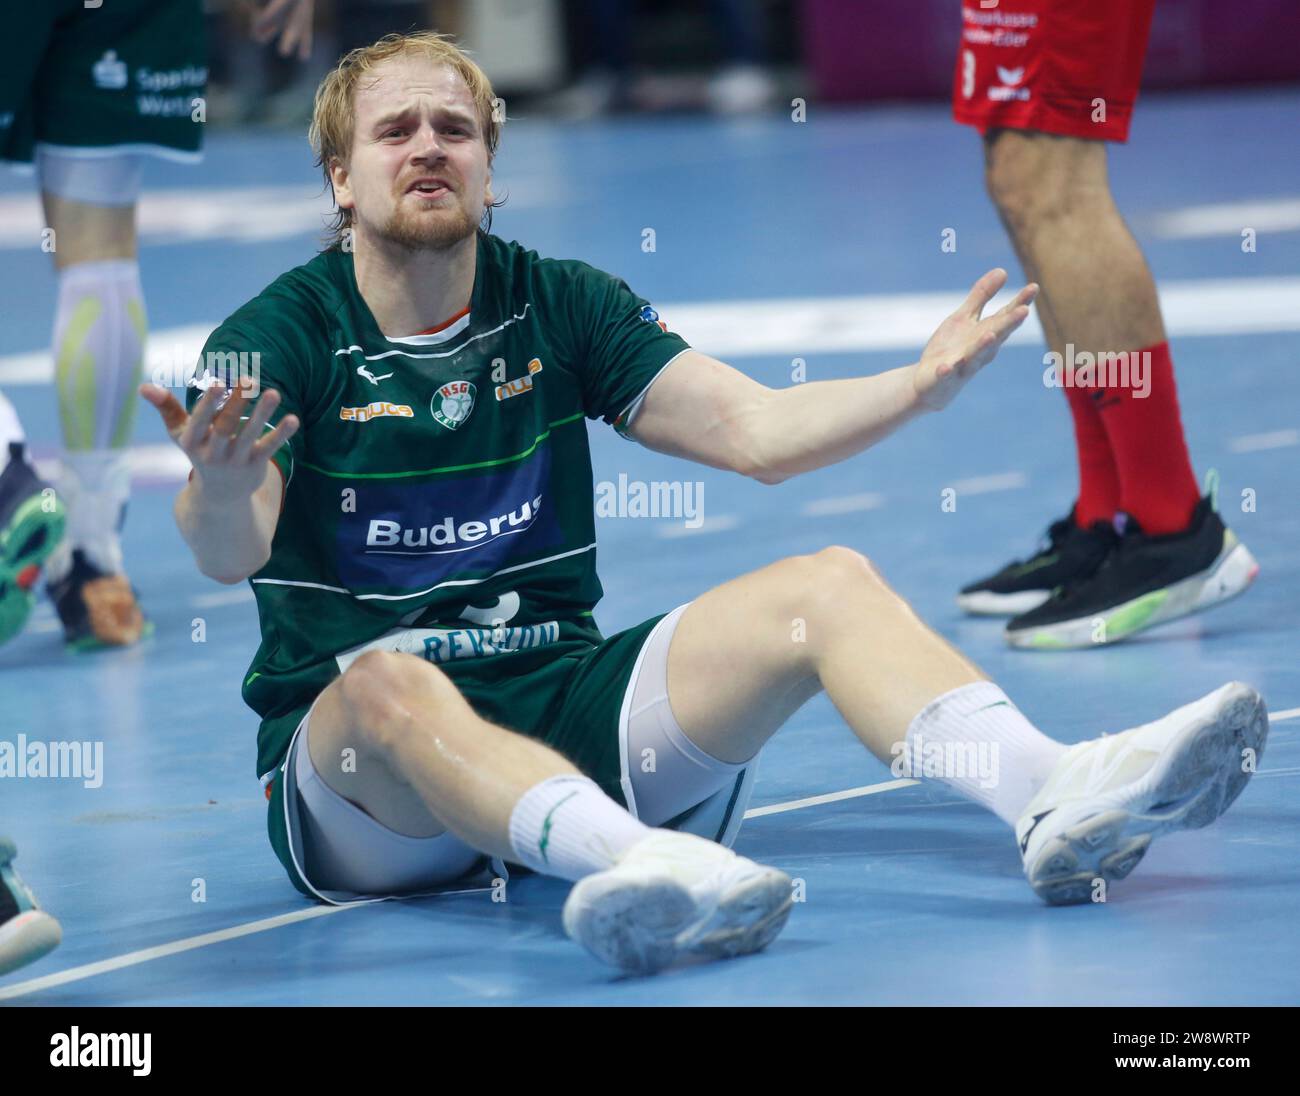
(105, 180)
(346, 855)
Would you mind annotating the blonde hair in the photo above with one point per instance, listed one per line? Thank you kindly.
(333, 122)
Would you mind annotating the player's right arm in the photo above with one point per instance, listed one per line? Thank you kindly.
(228, 510)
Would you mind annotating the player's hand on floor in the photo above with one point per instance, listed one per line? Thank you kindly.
(228, 456)
(291, 20)
(964, 343)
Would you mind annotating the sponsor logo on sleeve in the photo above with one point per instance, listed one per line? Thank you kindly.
(649, 315)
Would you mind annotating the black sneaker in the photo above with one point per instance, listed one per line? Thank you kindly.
(1143, 582)
(98, 609)
(32, 521)
(26, 931)
(1069, 554)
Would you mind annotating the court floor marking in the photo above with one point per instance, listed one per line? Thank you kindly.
(191, 943)
(806, 325)
(830, 797)
(1274, 439)
(132, 958)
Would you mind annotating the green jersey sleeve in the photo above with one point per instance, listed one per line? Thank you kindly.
(617, 341)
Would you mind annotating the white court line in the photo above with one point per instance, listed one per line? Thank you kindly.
(830, 797)
(1229, 218)
(812, 325)
(720, 524)
(843, 504)
(105, 966)
(1275, 439)
(983, 485)
(222, 597)
(89, 970)
(146, 462)
(131, 958)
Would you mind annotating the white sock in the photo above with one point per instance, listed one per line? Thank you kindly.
(978, 743)
(99, 337)
(567, 827)
(94, 487)
(10, 429)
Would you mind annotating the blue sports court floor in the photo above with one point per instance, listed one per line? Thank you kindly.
(774, 241)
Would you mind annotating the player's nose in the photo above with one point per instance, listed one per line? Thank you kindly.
(426, 145)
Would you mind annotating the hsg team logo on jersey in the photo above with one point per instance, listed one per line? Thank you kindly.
(452, 403)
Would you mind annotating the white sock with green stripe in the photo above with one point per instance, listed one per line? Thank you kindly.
(979, 744)
(567, 827)
(99, 337)
(99, 340)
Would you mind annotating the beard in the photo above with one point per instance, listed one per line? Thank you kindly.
(427, 230)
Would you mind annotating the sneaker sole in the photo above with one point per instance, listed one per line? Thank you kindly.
(988, 603)
(1198, 777)
(27, 937)
(644, 925)
(1230, 575)
(28, 539)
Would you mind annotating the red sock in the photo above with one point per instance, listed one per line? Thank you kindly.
(1098, 475)
(1157, 484)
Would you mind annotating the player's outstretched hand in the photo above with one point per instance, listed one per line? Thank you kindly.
(964, 343)
(291, 20)
(228, 456)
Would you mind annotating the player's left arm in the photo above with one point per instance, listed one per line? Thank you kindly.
(704, 410)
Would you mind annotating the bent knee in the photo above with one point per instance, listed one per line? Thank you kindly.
(822, 580)
(382, 690)
(847, 565)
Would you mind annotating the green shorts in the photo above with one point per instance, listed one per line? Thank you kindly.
(123, 76)
(578, 703)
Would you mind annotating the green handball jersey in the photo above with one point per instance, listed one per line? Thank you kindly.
(438, 494)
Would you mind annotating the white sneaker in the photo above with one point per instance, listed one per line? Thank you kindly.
(26, 931)
(1108, 797)
(674, 894)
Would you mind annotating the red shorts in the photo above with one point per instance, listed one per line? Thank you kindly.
(1059, 66)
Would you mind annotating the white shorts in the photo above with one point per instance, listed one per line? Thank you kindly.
(344, 855)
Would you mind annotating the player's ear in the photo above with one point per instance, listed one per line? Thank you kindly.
(341, 181)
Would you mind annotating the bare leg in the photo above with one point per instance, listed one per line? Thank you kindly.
(85, 233)
(1098, 297)
(1053, 194)
(424, 762)
(749, 653)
